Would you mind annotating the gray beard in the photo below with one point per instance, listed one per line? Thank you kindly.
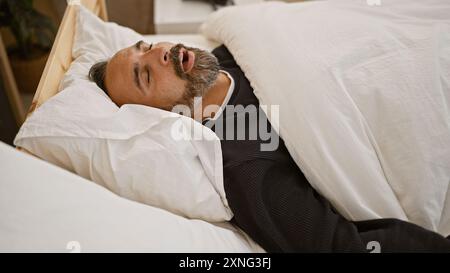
(200, 79)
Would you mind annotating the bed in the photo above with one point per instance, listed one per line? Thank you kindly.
(364, 103)
(80, 216)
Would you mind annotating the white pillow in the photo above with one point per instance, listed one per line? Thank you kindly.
(141, 153)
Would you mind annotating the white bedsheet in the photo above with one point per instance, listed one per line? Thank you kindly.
(46, 209)
(364, 95)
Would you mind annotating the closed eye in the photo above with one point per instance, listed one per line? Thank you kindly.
(139, 47)
(147, 69)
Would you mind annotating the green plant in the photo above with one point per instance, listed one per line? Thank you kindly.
(30, 28)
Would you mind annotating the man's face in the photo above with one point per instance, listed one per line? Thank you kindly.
(162, 75)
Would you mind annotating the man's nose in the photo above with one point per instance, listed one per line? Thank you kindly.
(159, 54)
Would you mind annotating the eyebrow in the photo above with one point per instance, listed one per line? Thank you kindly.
(136, 76)
(138, 45)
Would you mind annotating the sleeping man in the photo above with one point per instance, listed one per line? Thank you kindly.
(270, 197)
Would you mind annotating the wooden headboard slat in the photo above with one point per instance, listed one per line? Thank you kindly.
(60, 56)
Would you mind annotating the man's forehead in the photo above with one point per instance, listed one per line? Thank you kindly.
(122, 54)
(120, 59)
(117, 65)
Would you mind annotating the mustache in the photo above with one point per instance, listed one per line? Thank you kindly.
(174, 57)
(203, 61)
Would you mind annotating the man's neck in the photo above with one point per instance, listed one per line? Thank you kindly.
(214, 98)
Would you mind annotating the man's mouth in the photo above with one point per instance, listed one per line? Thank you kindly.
(187, 60)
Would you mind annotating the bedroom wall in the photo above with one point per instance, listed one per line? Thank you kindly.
(136, 14)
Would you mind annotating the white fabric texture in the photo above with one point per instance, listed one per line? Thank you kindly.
(141, 153)
(364, 95)
(46, 209)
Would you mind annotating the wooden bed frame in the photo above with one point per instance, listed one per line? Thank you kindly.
(60, 56)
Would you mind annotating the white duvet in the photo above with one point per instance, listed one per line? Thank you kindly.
(364, 95)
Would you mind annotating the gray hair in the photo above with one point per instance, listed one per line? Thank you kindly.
(97, 74)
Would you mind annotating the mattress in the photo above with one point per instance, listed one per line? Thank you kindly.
(47, 209)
